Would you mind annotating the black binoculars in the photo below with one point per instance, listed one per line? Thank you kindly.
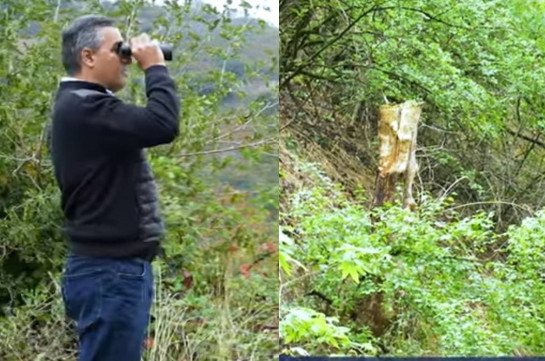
(124, 49)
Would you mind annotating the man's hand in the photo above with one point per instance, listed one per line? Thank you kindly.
(146, 52)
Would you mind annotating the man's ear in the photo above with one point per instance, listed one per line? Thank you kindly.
(88, 58)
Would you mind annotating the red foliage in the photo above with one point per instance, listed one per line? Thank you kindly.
(188, 279)
(232, 248)
(270, 247)
(245, 270)
(149, 342)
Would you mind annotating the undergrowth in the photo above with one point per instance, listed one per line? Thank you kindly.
(389, 281)
(189, 324)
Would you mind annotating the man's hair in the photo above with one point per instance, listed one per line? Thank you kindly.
(82, 33)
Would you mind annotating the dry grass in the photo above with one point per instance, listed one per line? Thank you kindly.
(342, 152)
(221, 330)
(185, 327)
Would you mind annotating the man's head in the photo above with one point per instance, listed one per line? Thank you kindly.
(88, 52)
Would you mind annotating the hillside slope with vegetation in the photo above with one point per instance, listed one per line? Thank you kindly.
(462, 274)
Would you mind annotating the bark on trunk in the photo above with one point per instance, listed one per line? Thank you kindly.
(398, 124)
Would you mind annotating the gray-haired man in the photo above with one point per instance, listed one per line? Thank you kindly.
(109, 195)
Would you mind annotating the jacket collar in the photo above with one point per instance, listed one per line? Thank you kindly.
(71, 82)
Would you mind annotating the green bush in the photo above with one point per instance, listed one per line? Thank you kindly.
(427, 282)
(217, 182)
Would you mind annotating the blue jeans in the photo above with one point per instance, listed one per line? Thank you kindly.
(110, 300)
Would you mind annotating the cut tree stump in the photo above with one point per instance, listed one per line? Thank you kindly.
(397, 131)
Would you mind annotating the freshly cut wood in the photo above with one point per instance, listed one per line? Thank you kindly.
(397, 131)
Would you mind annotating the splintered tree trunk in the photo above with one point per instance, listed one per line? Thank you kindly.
(397, 131)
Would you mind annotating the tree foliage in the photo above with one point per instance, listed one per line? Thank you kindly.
(478, 66)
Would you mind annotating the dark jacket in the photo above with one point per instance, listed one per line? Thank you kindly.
(109, 196)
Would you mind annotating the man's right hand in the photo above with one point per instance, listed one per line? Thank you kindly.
(146, 51)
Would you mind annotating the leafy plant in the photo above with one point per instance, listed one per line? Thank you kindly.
(430, 282)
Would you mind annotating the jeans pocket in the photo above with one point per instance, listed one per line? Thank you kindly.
(82, 294)
(135, 269)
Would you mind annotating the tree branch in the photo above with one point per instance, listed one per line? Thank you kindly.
(402, 78)
(56, 17)
(526, 138)
(331, 42)
(434, 18)
(229, 149)
(250, 119)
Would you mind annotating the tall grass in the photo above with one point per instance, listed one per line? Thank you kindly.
(190, 326)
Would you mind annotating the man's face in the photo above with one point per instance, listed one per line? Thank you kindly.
(109, 68)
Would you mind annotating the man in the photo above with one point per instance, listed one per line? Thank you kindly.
(109, 196)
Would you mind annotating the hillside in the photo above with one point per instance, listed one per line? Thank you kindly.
(459, 275)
